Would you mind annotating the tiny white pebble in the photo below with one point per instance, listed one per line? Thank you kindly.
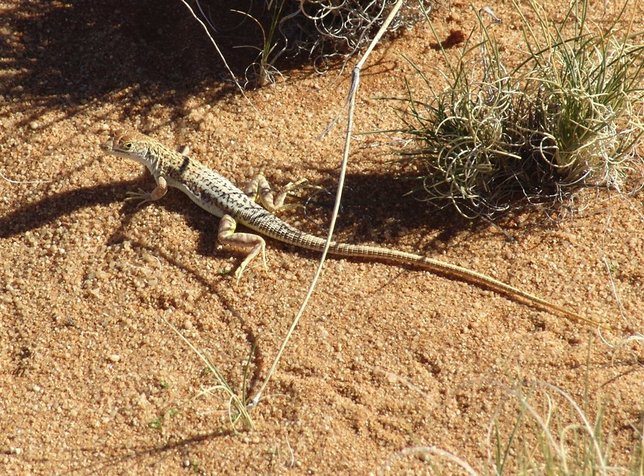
(34, 125)
(37, 388)
(115, 357)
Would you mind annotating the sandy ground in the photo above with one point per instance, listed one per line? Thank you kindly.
(385, 360)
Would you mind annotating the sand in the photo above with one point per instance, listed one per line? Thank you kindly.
(386, 359)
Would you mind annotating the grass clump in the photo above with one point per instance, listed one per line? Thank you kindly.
(237, 401)
(564, 117)
(325, 29)
(319, 29)
(538, 430)
(336, 27)
(552, 434)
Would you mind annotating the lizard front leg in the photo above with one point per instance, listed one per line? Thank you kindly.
(143, 197)
(260, 191)
(228, 237)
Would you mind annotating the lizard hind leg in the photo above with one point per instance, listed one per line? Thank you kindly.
(260, 191)
(228, 237)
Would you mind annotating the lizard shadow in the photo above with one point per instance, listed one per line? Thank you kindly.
(55, 206)
(90, 463)
(58, 206)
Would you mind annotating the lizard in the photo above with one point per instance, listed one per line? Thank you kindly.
(255, 208)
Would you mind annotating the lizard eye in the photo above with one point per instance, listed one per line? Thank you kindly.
(127, 145)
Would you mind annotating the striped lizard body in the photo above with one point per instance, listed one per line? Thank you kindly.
(218, 196)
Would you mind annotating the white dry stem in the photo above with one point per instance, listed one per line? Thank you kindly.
(353, 91)
(221, 55)
(17, 182)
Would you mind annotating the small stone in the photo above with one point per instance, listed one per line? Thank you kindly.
(34, 125)
(114, 358)
(95, 292)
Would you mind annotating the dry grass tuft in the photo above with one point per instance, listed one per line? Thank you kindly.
(568, 115)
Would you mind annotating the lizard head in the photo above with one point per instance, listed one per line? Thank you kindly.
(131, 145)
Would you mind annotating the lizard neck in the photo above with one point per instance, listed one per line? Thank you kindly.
(156, 159)
(153, 163)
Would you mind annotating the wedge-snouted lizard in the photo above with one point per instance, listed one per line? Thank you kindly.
(218, 196)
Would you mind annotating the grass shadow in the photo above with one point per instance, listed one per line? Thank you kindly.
(377, 207)
(72, 53)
